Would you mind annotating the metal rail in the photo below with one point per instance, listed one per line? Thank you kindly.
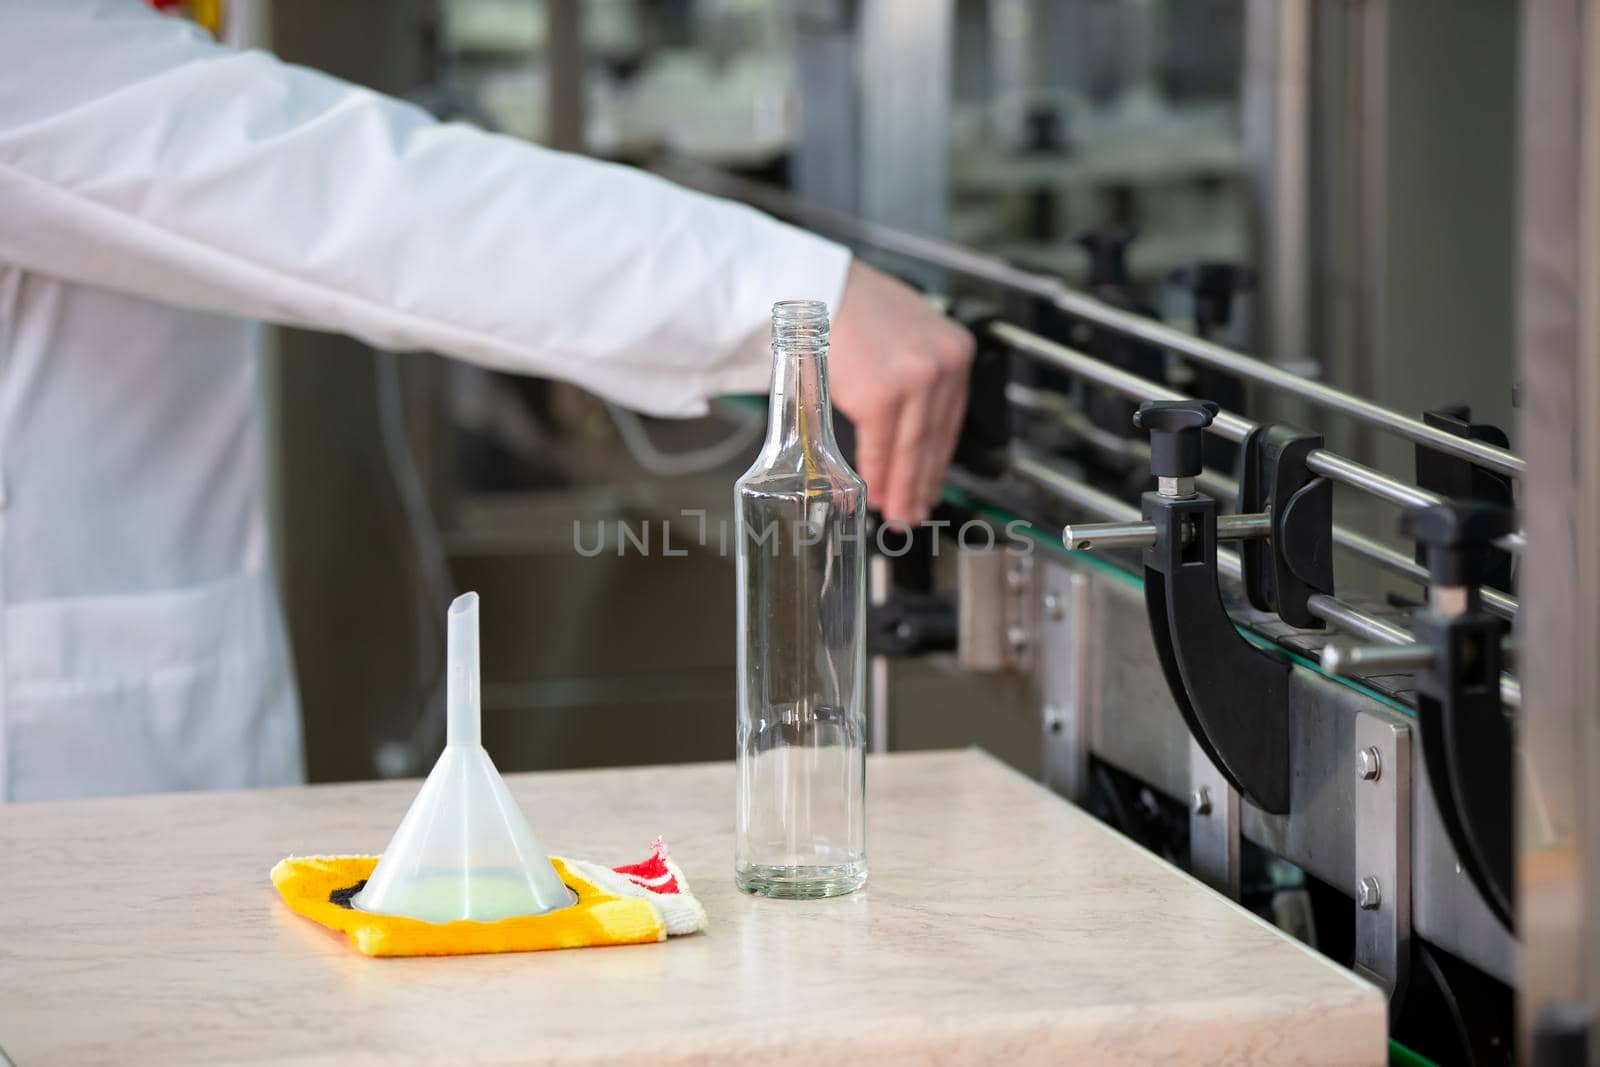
(1226, 424)
(1060, 410)
(997, 271)
(1329, 609)
(1377, 659)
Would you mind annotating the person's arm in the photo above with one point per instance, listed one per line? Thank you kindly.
(138, 155)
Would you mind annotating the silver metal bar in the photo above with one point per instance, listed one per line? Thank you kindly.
(1365, 478)
(1072, 491)
(993, 269)
(1248, 527)
(1337, 613)
(1399, 659)
(1501, 604)
(1214, 355)
(1226, 424)
(1084, 536)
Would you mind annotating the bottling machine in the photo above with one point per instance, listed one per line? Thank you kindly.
(1315, 722)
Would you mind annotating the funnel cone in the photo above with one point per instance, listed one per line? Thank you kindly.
(464, 850)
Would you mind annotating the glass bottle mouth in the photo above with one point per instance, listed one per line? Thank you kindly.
(799, 322)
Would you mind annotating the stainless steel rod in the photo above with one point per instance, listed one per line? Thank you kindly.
(1338, 613)
(1263, 373)
(1244, 527)
(1226, 424)
(1501, 604)
(1072, 491)
(997, 271)
(1365, 478)
(1376, 659)
(1083, 536)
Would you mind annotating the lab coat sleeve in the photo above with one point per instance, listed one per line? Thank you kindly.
(138, 155)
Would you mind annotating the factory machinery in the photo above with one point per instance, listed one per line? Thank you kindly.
(1341, 760)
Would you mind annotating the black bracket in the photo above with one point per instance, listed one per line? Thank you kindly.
(1467, 738)
(1281, 573)
(910, 624)
(1461, 479)
(1233, 696)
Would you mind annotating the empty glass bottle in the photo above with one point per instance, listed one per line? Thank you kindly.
(802, 723)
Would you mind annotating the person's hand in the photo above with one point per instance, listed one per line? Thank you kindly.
(899, 370)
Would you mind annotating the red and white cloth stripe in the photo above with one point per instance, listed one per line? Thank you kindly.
(657, 880)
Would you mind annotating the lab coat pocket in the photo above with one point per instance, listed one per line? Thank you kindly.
(179, 689)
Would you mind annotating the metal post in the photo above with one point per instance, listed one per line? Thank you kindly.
(1558, 827)
(905, 58)
(1381, 764)
(1277, 89)
(564, 68)
(1067, 637)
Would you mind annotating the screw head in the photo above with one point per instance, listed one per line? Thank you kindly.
(1369, 895)
(1015, 578)
(1200, 801)
(1053, 608)
(1052, 719)
(1017, 637)
(1369, 764)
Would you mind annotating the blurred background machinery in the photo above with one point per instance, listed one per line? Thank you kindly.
(1335, 177)
(1380, 198)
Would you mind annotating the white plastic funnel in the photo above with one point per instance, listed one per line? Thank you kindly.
(464, 850)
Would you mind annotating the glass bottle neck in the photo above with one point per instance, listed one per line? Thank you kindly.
(800, 414)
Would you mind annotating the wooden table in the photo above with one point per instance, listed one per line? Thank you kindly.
(1000, 925)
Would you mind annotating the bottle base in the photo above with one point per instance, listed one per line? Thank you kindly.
(802, 883)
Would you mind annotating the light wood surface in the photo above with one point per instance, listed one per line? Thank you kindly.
(1000, 925)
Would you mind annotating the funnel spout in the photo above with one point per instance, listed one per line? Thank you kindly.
(463, 709)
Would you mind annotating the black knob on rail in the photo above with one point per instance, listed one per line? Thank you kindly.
(1175, 433)
(1459, 536)
(1108, 256)
(1213, 287)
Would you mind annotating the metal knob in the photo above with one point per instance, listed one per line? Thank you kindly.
(1175, 427)
(1459, 535)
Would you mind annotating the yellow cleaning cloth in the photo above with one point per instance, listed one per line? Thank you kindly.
(616, 906)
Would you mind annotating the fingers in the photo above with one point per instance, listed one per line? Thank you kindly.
(918, 428)
(955, 360)
(874, 445)
(909, 462)
(900, 371)
(942, 435)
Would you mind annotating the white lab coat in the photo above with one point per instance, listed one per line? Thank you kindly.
(161, 194)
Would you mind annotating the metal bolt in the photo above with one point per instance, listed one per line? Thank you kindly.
(1015, 577)
(1369, 894)
(1053, 608)
(1175, 488)
(1369, 764)
(1052, 719)
(1200, 801)
(1017, 636)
